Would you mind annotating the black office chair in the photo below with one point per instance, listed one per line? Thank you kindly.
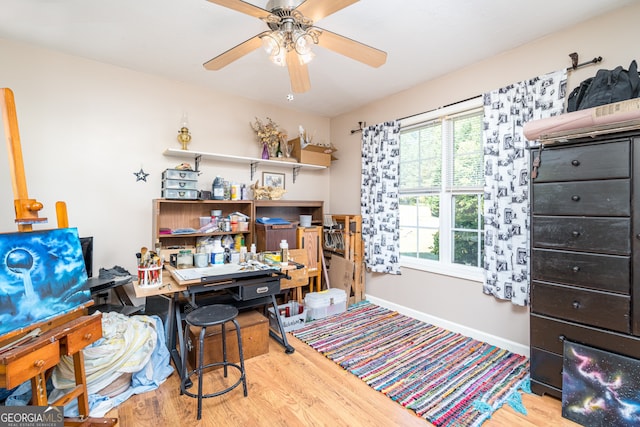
(203, 317)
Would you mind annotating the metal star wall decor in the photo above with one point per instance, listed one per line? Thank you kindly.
(141, 175)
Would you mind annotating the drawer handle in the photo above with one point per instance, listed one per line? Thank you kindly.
(183, 174)
(182, 184)
(262, 289)
(575, 198)
(38, 363)
(575, 233)
(575, 162)
(88, 336)
(576, 305)
(576, 269)
(181, 193)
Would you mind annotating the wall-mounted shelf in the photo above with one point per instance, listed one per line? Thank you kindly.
(253, 162)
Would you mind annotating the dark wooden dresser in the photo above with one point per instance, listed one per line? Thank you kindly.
(585, 251)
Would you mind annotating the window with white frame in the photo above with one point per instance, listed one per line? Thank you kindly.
(441, 190)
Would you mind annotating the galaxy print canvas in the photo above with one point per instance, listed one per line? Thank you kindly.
(600, 388)
(42, 275)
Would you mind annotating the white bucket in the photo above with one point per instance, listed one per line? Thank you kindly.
(305, 220)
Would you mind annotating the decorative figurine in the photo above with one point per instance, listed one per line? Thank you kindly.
(184, 137)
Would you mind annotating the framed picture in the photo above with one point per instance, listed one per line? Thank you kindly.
(273, 179)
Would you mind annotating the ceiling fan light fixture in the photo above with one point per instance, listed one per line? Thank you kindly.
(280, 59)
(303, 41)
(271, 44)
(306, 58)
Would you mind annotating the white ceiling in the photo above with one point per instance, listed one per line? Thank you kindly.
(173, 38)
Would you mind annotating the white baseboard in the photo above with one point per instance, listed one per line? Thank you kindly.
(511, 346)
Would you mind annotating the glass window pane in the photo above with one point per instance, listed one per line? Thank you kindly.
(429, 211)
(467, 151)
(465, 248)
(408, 241)
(431, 174)
(409, 148)
(421, 158)
(409, 175)
(428, 242)
(465, 211)
(408, 211)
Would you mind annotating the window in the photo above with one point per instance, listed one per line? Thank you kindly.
(441, 191)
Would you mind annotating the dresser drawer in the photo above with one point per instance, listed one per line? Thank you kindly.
(546, 367)
(176, 184)
(549, 334)
(602, 235)
(585, 162)
(179, 174)
(82, 336)
(603, 272)
(28, 366)
(590, 198)
(259, 289)
(595, 308)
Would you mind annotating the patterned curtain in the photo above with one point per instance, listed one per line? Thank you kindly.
(506, 191)
(379, 197)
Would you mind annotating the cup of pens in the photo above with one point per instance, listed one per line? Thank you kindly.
(149, 268)
(150, 276)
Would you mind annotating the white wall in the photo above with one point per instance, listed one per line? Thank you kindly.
(612, 36)
(86, 127)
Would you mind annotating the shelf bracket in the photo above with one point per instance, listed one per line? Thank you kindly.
(254, 166)
(296, 169)
(197, 161)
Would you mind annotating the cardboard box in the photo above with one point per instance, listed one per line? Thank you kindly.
(341, 273)
(254, 328)
(311, 154)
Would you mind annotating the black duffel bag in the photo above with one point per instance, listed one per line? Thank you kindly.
(606, 87)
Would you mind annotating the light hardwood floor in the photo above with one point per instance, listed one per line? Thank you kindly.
(301, 389)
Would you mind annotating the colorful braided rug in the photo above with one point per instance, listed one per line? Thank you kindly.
(445, 377)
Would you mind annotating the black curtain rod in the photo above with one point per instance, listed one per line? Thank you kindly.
(575, 66)
(439, 108)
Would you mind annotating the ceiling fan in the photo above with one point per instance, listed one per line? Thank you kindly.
(292, 35)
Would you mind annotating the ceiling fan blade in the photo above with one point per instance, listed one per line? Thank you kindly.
(235, 53)
(318, 9)
(351, 48)
(244, 7)
(298, 73)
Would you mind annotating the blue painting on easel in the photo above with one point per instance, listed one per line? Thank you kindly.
(42, 275)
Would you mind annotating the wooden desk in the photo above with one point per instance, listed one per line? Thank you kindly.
(244, 289)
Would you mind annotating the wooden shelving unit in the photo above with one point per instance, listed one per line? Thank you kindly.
(174, 214)
(343, 237)
(253, 162)
(289, 209)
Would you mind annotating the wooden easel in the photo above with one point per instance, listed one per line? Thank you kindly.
(31, 353)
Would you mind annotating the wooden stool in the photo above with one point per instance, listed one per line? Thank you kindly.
(203, 317)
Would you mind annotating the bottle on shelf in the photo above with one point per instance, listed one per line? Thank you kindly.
(217, 253)
(226, 185)
(252, 254)
(217, 188)
(284, 252)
